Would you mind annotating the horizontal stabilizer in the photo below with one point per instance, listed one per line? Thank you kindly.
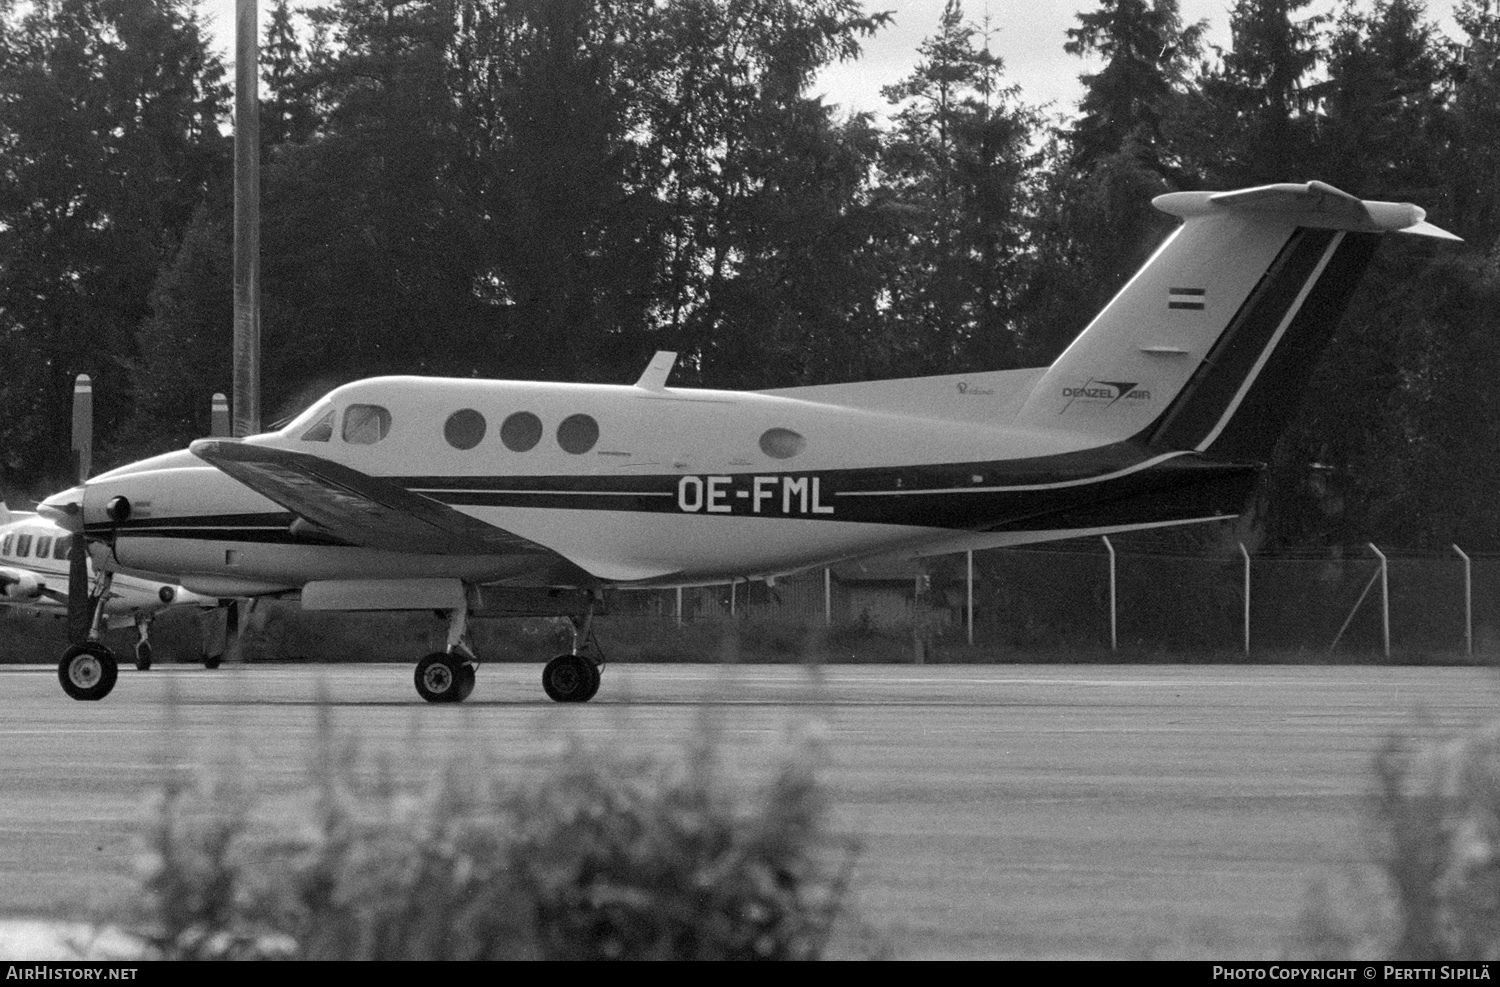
(1315, 204)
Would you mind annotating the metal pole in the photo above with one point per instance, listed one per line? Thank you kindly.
(246, 220)
(1468, 603)
(1113, 641)
(827, 597)
(679, 606)
(1385, 600)
(731, 597)
(1247, 597)
(969, 562)
(918, 641)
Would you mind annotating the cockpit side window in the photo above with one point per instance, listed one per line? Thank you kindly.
(366, 424)
(322, 431)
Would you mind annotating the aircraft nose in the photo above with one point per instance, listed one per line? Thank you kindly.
(64, 508)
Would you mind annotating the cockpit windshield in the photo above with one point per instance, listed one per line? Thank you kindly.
(316, 413)
(322, 431)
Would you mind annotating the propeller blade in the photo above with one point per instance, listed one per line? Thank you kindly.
(219, 418)
(80, 605)
(83, 426)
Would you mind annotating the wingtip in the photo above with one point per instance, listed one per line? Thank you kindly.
(1425, 228)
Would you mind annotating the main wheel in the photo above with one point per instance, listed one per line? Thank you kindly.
(466, 680)
(212, 661)
(440, 678)
(595, 675)
(143, 655)
(570, 679)
(87, 671)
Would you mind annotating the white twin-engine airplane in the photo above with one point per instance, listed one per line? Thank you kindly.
(479, 497)
(34, 577)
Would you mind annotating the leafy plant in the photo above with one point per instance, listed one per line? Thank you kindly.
(1437, 833)
(609, 858)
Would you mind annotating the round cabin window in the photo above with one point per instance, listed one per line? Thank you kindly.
(781, 443)
(521, 431)
(577, 434)
(464, 429)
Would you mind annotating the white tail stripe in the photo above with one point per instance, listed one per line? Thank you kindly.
(426, 491)
(1265, 354)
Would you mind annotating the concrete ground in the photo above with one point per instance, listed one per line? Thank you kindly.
(1161, 811)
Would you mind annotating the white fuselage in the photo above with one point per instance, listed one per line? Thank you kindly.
(677, 486)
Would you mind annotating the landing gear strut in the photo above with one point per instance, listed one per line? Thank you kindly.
(88, 671)
(448, 676)
(575, 677)
(143, 642)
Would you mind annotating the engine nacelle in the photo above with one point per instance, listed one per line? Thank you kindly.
(23, 586)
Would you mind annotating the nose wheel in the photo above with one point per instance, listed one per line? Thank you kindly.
(88, 671)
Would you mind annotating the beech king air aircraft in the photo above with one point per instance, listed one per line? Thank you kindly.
(34, 576)
(476, 497)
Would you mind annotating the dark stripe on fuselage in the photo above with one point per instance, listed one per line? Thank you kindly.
(1100, 488)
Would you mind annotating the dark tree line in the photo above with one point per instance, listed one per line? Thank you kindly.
(554, 189)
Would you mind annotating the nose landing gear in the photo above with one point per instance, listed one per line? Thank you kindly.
(88, 670)
(143, 642)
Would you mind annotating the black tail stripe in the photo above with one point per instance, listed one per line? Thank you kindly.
(1277, 393)
(1201, 404)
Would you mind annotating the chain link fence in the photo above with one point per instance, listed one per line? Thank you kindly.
(1370, 602)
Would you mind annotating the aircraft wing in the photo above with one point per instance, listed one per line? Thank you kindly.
(364, 510)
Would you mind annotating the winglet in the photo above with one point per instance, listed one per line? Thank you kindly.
(654, 378)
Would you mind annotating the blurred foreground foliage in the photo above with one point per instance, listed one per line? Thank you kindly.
(608, 858)
(1436, 894)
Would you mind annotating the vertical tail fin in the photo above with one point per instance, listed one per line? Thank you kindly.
(1210, 343)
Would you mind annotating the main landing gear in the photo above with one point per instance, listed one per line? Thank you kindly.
(574, 677)
(448, 676)
(88, 671)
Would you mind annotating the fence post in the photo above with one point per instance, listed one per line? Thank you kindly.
(1468, 603)
(1247, 598)
(679, 606)
(1113, 641)
(1385, 600)
(827, 597)
(918, 632)
(969, 609)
